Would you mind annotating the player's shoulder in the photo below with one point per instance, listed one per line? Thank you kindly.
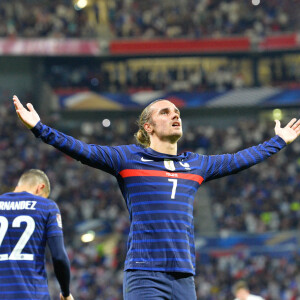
(130, 148)
(44, 202)
(17, 201)
(188, 155)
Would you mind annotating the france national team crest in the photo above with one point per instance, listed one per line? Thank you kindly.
(169, 164)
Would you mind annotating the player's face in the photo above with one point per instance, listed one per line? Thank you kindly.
(165, 121)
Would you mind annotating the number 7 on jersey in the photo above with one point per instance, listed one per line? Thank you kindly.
(174, 187)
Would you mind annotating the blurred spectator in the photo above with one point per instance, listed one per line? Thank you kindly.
(201, 18)
(147, 19)
(45, 19)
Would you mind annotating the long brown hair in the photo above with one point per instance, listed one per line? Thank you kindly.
(141, 135)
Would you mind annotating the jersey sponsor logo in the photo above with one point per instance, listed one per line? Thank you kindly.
(17, 205)
(58, 219)
(144, 159)
(169, 164)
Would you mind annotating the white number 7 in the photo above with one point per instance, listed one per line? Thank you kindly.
(174, 187)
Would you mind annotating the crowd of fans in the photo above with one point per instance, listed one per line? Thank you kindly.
(193, 74)
(258, 200)
(43, 19)
(202, 18)
(147, 19)
(128, 78)
(261, 199)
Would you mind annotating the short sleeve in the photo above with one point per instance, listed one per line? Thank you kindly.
(54, 222)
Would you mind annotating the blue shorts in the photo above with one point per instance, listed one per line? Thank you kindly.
(153, 285)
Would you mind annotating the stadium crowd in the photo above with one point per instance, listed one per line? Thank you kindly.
(124, 78)
(202, 18)
(43, 19)
(193, 74)
(147, 19)
(261, 199)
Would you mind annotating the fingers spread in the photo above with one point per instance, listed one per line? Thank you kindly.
(17, 103)
(290, 124)
(296, 125)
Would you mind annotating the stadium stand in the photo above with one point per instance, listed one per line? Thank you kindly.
(150, 19)
(261, 203)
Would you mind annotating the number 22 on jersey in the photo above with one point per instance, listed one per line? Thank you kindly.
(16, 253)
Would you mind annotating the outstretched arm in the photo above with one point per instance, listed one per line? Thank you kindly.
(217, 166)
(102, 157)
(28, 117)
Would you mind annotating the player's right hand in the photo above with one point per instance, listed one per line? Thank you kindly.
(70, 297)
(29, 116)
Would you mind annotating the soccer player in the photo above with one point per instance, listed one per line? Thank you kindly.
(158, 186)
(29, 221)
(242, 292)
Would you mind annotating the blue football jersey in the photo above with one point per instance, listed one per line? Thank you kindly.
(26, 222)
(159, 191)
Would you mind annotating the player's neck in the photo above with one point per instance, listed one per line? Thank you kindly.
(23, 188)
(164, 147)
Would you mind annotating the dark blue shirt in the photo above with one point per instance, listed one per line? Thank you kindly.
(26, 223)
(159, 191)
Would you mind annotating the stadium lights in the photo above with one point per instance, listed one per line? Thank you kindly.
(106, 123)
(255, 2)
(277, 114)
(80, 4)
(88, 237)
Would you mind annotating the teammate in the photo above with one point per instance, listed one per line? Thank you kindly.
(241, 292)
(158, 186)
(28, 220)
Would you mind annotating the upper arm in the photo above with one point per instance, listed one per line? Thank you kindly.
(54, 221)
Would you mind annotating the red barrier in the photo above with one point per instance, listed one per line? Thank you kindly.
(178, 46)
(280, 42)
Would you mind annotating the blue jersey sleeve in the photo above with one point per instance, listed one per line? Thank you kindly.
(61, 263)
(54, 223)
(217, 166)
(102, 157)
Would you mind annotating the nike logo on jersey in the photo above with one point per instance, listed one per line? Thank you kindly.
(186, 165)
(144, 159)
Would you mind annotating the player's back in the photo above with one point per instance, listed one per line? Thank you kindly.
(26, 221)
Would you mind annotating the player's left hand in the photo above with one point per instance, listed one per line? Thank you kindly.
(290, 132)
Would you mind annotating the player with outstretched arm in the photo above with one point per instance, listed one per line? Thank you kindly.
(158, 186)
